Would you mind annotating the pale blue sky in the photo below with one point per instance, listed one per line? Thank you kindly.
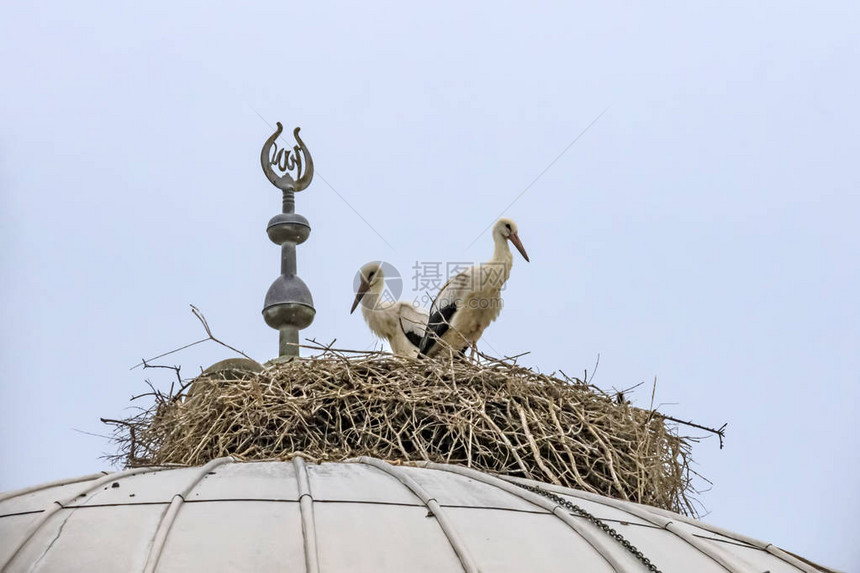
(703, 231)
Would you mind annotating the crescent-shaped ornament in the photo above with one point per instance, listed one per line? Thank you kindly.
(270, 155)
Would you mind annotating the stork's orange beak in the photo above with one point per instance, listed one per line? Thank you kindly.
(515, 239)
(362, 290)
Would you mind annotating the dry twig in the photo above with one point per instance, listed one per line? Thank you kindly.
(209, 336)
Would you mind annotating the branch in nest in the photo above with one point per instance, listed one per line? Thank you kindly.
(721, 431)
(208, 330)
(209, 336)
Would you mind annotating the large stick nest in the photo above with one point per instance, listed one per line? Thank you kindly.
(496, 417)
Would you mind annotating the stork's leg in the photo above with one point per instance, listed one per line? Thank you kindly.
(461, 355)
(473, 355)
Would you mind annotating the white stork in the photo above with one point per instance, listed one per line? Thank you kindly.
(470, 300)
(401, 323)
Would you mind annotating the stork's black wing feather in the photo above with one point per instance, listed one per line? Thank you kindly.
(413, 337)
(439, 323)
(413, 322)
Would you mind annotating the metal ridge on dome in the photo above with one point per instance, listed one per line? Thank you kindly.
(433, 506)
(362, 515)
(665, 519)
(37, 487)
(306, 505)
(600, 545)
(56, 506)
(172, 511)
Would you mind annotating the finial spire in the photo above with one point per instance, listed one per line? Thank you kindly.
(289, 306)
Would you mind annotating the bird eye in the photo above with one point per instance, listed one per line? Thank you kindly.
(508, 225)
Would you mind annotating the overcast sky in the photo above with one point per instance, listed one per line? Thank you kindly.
(703, 231)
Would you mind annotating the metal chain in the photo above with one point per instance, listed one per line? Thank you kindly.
(597, 522)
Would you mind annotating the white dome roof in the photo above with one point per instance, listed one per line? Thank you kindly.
(358, 516)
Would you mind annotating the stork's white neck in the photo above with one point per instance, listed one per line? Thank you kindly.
(491, 277)
(502, 251)
(372, 300)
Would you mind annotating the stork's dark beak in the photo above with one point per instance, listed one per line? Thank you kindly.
(362, 290)
(515, 239)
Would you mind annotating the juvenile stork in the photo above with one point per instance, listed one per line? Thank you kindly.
(470, 300)
(401, 323)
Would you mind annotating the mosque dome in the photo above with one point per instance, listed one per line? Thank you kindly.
(356, 516)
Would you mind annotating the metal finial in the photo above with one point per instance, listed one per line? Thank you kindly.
(289, 306)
